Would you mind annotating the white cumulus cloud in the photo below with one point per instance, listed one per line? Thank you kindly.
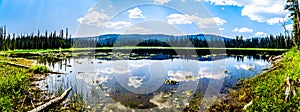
(276, 20)
(114, 70)
(136, 13)
(135, 82)
(102, 19)
(262, 11)
(179, 19)
(243, 30)
(182, 76)
(201, 22)
(94, 18)
(260, 34)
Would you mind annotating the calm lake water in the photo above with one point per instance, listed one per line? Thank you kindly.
(121, 81)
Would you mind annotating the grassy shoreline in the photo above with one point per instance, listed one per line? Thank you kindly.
(267, 90)
(19, 89)
(135, 47)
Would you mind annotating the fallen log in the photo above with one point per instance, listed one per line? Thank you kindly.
(27, 67)
(52, 102)
(16, 65)
(275, 58)
(55, 72)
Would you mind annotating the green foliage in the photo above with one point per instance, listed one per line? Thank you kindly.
(14, 84)
(39, 69)
(269, 90)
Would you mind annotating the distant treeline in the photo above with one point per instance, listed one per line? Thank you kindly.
(47, 40)
(62, 39)
(271, 41)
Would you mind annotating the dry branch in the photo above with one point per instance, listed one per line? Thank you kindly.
(51, 102)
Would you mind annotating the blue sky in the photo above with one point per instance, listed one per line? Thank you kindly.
(229, 18)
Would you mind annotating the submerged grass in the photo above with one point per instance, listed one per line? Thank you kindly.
(266, 91)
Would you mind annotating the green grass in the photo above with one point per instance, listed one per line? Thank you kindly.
(266, 91)
(136, 47)
(39, 69)
(14, 84)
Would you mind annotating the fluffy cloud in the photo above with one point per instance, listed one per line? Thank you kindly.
(135, 82)
(244, 66)
(207, 73)
(92, 78)
(101, 19)
(182, 76)
(243, 30)
(276, 20)
(266, 11)
(94, 18)
(136, 13)
(161, 1)
(189, 19)
(178, 19)
(260, 34)
(114, 70)
(190, 76)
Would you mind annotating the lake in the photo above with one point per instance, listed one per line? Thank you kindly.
(141, 79)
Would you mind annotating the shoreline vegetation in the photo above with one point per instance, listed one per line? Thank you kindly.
(19, 89)
(273, 90)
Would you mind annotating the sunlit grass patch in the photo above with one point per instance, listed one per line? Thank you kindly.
(14, 84)
(39, 69)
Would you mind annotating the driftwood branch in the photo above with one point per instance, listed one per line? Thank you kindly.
(247, 105)
(287, 88)
(290, 87)
(51, 102)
